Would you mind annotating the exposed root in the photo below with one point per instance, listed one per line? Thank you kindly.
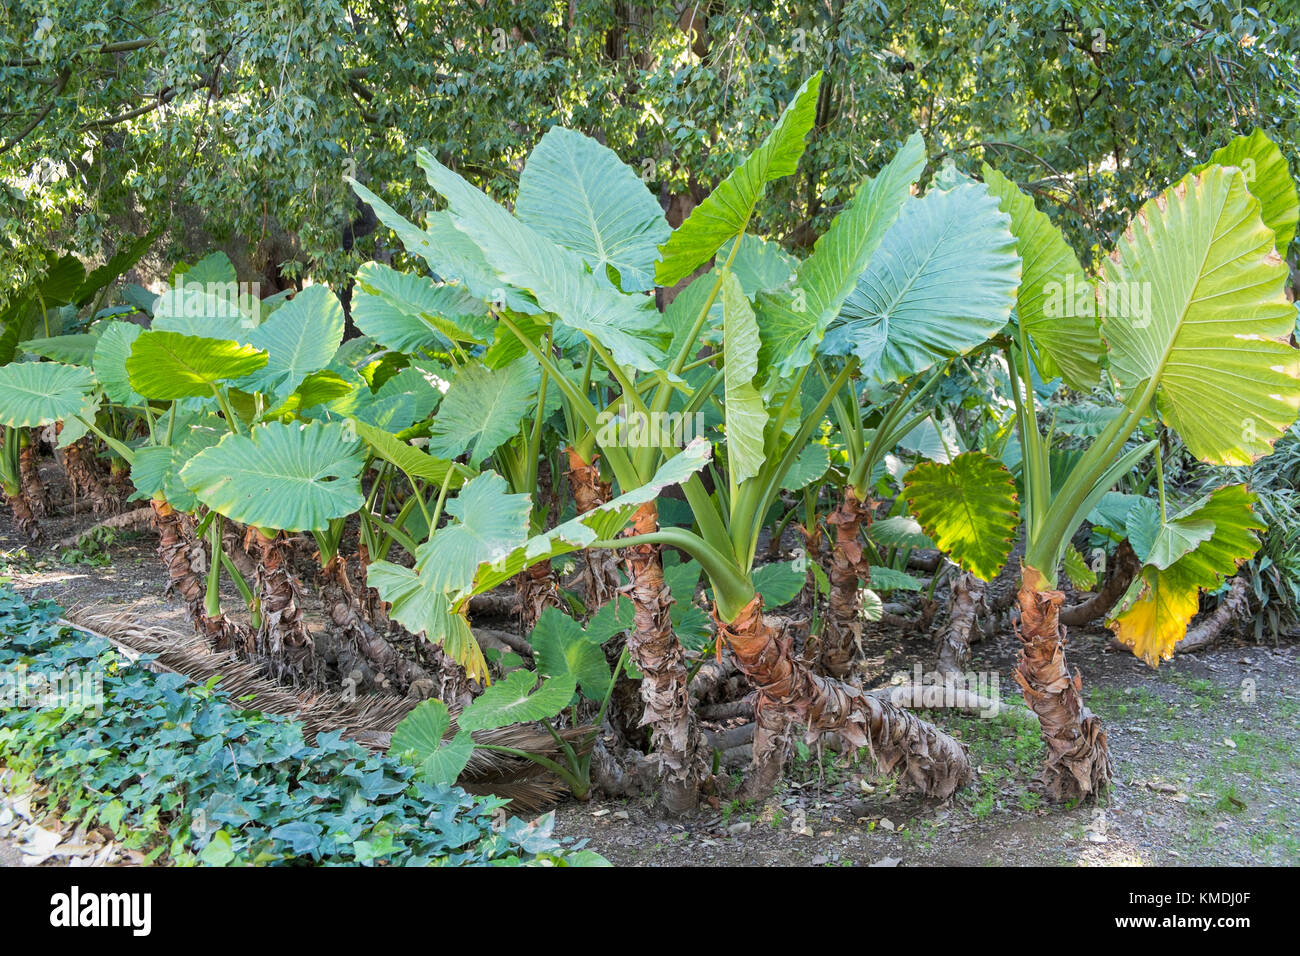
(126, 521)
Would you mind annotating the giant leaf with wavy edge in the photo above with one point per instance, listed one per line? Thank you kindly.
(1268, 177)
(483, 408)
(556, 277)
(512, 700)
(419, 739)
(289, 477)
(41, 393)
(725, 212)
(793, 325)
(969, 509)
(299, 338)
(171, 365)
(746, 413)
(109, 360)
(942, 281)
(1153, 615)
(1213, 329)
(1055, 303)
(409, 312)
(580, 194)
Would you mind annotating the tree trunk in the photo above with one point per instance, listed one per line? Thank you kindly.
(187, 562)
(1078, 763)
(283, 640)
(1123, 569)
(29, 474)
(84, 478)
(341, 606)
(843, 628)
(654, 648)
(24, 520)
(965, 598)
(600, 566)
(538, 589)
(789, 691)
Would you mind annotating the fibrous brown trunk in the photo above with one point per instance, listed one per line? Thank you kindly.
(538, 590)
(789, 691)
(600, 566)
(29, 474)
(84, 478)
(24, 520)
(1078, 762)
(843, 629)
(965, 598)
(341, 605)
(654, 648)
(186, 561)
(282, 640)
(1123, 569)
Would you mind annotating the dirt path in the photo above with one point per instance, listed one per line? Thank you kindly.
(1207, 753)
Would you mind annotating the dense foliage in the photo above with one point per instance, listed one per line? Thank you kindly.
(238, 123)
(188, 776)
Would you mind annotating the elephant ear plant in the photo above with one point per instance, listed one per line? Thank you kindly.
(1194, 327)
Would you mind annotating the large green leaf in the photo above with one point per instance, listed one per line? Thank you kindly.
(40, 393)
(942, 281)
(1161, 543)
(1055, 303)
(483, 408)
(556, 277)
(301, 337)
(793, 325)
(746, 411)
(563, 650)
(1269, 180)
(409, 312)
(492, 523)
(155, 470)
(760, 264)
(419, 739)
(725, 212)
(580, 194)
(170, 365)
(511, 701)
(73, 349)
(968, 508)
(111, 353)
(1211, 321)
(289, 477)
